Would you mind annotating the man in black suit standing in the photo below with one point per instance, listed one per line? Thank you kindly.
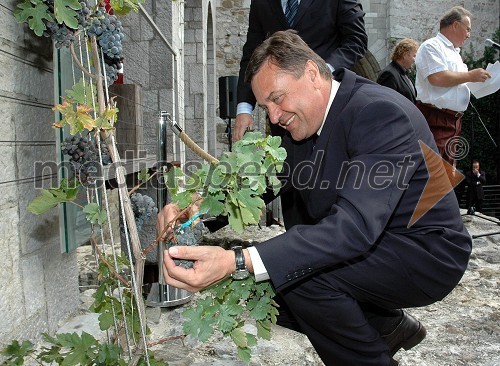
(395, 75)
(334, 29)
(366, 254)
(475, 179)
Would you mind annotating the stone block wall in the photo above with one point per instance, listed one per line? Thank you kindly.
(38, 284)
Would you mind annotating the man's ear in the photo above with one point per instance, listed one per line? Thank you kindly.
(312, 71)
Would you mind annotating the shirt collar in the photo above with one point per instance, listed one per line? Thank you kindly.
(446, 41)
(333, 93)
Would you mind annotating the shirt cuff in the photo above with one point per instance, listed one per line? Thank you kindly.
(259, 270)
(244, 107)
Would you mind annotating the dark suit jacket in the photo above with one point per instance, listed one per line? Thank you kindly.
(394, 77)
(475, 185)
(367, 177)
(334, 29)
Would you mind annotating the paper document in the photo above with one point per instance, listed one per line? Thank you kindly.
(490, 86)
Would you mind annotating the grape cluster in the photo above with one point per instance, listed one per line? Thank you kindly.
(84, 157)
(189, 236)
(83, 15)
(143, 207)
(109, 33)
(61, 35)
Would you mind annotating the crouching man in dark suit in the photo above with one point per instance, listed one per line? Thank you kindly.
(369, 248)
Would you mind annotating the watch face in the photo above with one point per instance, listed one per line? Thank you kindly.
(240, 275)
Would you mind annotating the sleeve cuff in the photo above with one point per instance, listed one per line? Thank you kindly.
(259, 270)
(244, 107)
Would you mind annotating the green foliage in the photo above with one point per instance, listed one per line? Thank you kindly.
(109, 305)
(95, 214)
(33, 12)
(224, 307)
(481, 127)
(16, 353)
(64, 11)
(123, 7)
(144, 175)
(77, 110)
(49, 198)
(233, 186)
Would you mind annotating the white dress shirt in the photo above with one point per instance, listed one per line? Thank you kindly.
(435, 55)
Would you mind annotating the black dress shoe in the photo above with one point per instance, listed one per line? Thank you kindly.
(407, 334)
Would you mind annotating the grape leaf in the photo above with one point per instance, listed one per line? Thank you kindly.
(213, 204)
(143, 175)
(172, 179)
(123, 7)
(234, 217)
(64, 11)
(82, 93)
(33, 12)
(244, 353)
(239, 338)
(225, 320)
(50, 198)
(263, 331)
(95, 214)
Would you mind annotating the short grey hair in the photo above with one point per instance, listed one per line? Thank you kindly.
(455, 14)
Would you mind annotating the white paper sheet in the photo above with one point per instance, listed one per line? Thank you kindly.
(490, 86)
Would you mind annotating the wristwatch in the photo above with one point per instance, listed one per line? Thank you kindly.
(241, 272)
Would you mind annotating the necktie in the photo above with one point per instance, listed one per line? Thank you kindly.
(291, 10)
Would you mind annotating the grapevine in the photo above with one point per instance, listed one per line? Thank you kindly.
(233, 188)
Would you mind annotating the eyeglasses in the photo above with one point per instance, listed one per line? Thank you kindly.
(466, 27)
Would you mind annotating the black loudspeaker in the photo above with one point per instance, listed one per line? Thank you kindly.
(228, 86)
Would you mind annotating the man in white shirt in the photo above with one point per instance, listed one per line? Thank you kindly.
(442, 95)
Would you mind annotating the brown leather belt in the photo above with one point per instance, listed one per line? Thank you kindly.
(444, 110)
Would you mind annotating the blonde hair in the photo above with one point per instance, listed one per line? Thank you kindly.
(402, 47)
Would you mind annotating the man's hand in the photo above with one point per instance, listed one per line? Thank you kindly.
(212, 264)
(479, 75)
(242, 123)
(170, 211)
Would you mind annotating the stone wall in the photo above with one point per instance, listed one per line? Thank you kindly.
(38, 284)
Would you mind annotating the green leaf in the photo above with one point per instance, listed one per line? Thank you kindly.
(225, 322)
(33, 12)
(213, 204)
(123, 7)
(106, 321)
(182, 199)
(234, 217)
(263, 331)
(239, 338)
(95, 214)
(83, 93)
(64, 11)
(173, 178)
(244, 353)
(144, 175)
(16, 352)
(50, 198)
